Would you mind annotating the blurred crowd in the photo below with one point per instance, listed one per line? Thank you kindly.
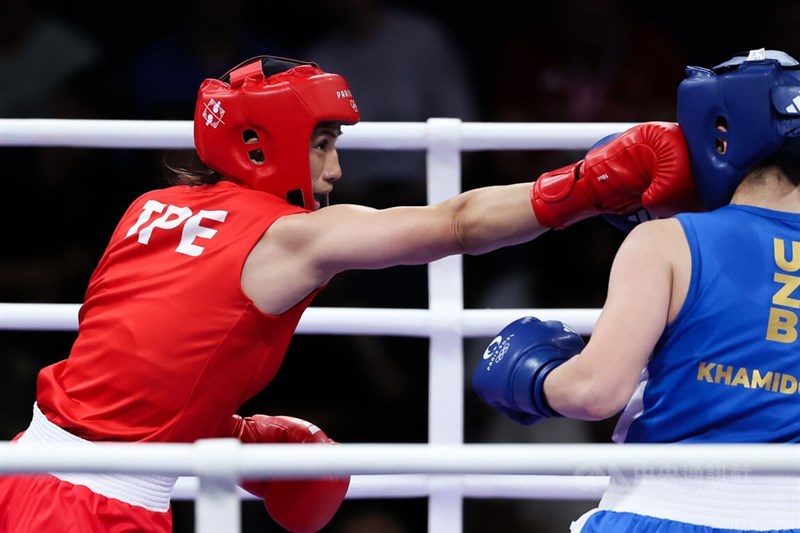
(571, 61)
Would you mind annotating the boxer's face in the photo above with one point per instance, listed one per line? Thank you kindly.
(324, 160)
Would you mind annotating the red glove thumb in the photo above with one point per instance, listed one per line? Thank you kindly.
(305, 505)
(298, 505)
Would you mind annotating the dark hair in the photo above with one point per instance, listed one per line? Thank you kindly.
(787, 159)
(186, 168)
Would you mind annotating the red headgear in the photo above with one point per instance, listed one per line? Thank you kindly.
(254, 124)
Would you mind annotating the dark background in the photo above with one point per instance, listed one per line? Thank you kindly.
(611, 61)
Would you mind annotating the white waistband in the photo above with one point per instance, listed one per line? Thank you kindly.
(722, 500)
(150, 492)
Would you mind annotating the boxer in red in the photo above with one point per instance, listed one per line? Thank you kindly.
(197, 296)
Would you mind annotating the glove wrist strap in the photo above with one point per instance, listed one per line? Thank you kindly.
(558, 200)
(539, 398)
(528, 389)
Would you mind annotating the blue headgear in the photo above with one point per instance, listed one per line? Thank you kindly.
(756, 98)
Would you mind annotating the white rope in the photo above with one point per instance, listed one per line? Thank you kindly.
(177, 134)
(292, 460)
(330, 320)
(520, 486)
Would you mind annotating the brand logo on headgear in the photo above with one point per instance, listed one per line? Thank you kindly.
(794, 107)
(344, 94)
(213, 113)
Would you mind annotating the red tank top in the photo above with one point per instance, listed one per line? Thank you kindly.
(168, 345)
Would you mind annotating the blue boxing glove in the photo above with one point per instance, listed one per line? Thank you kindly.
(511, 374)
(627, 222)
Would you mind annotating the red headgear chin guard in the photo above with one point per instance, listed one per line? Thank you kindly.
(254, 124)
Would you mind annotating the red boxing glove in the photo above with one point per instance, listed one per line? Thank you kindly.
(298, 505)
(645, 166)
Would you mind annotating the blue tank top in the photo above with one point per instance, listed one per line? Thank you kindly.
(727, 368)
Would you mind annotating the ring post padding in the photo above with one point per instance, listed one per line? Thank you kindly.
(218, 507)
(445, 301)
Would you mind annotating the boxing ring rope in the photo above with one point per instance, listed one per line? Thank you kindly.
(219, 463)
(328, 320)
(177, 134)
(445, 469)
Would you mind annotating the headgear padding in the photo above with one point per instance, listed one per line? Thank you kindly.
(254, 124)
(755, 97)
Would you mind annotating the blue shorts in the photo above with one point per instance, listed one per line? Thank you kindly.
(616, 522)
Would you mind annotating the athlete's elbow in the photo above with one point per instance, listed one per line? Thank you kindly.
(602, 403)
(588, 403)
(600, 411)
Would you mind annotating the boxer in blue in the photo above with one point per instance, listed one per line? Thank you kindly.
(698, 339)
